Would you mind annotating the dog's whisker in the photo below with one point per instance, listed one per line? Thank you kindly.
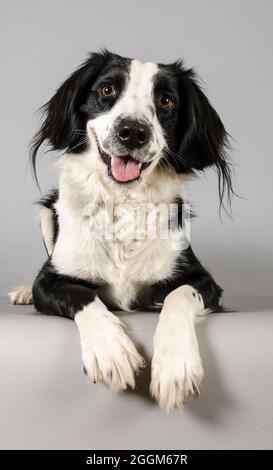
(165, 162)
(166, 159)
(82, 142)
(174, 155)
(80, 131)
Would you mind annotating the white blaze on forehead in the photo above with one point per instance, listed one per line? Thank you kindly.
(140, 86)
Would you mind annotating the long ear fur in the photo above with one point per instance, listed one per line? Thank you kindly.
(62, 118)
(204, 139)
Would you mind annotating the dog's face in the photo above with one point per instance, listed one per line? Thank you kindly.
(127, 109)
(135, 116)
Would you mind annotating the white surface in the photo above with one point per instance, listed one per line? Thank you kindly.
(47, 402)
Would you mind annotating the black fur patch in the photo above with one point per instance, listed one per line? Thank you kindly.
(190, 271)
(66, 113)
(56, 294)
(195, 134)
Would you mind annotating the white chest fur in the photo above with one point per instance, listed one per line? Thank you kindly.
(122, 262)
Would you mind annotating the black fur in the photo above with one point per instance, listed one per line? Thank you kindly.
(195, 134)
(65, 115)
(55, 294)
(50, 199)
(190, 271)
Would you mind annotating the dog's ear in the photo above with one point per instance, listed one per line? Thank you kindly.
(203, 139)
(62, 117)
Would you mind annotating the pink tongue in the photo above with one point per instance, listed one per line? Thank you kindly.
(125, 169)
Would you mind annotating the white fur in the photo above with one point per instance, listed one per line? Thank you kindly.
(46, 222)
(108, 354)
(122, 267)
(21, 296)
(176, 366)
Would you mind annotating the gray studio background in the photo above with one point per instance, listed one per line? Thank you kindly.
(229, 43)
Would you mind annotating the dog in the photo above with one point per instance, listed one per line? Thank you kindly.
(130, 134)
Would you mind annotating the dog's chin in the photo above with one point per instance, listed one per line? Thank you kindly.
(124, 170)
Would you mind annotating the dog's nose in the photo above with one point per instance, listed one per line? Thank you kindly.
(133, 134)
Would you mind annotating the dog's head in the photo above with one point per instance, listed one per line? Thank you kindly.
(135, 116)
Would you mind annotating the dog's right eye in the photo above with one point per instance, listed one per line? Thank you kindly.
(108, 91)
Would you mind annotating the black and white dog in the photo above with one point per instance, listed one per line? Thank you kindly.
(131, 134)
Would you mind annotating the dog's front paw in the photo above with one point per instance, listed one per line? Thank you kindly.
(112, 360)
(108, 354)
(174, 378)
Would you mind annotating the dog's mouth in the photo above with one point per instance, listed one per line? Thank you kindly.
(123, 168)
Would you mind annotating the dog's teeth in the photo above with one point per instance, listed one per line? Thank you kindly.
(139, 165)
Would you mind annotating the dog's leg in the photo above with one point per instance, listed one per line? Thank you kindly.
(176, 366)
(108, 354)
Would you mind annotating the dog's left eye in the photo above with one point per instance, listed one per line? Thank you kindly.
(108, 90)
(165, 102)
